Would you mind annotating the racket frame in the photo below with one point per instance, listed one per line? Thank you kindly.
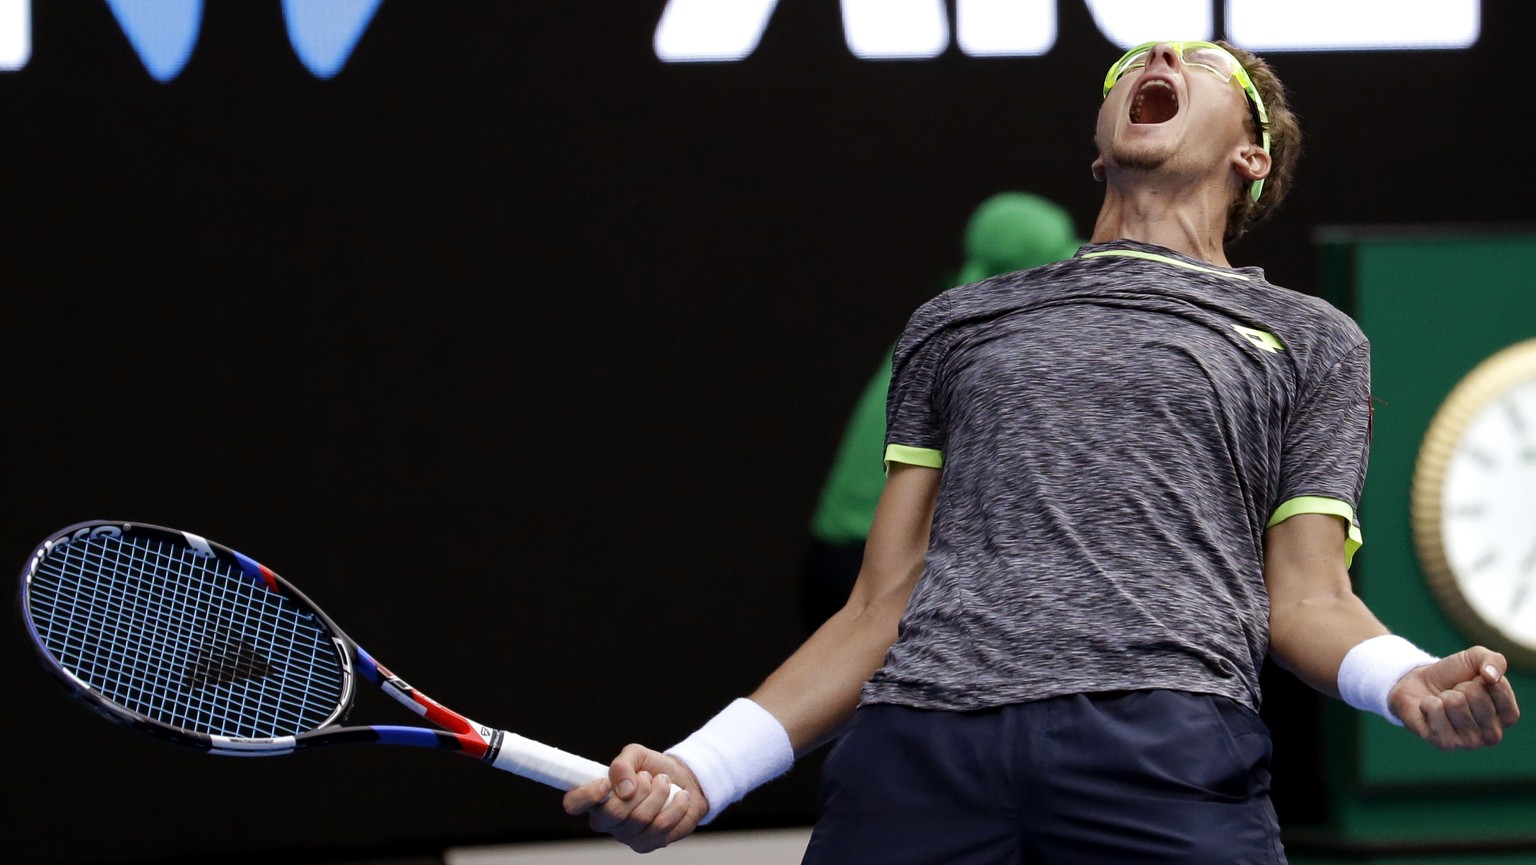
(123, 715)
(455, 732)
(458, 733)
(498, 748)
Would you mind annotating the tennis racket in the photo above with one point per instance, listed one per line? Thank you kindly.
(188, 641)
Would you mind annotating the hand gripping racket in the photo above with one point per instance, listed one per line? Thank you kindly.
(191, 642)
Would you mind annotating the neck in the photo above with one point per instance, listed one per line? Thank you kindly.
(1190, 221)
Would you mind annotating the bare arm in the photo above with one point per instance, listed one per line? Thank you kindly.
(811, 694)
(1315, 617)
(1462, 701)
(814, 692)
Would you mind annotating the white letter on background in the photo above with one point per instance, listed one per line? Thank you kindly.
(1132, 22)
(889, 29)
(703, 30)
(15, 34)
(1005, 28)
(1359, 25)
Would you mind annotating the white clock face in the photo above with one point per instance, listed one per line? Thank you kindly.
(1488, 521)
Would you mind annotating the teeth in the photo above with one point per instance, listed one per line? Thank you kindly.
(1138, 102)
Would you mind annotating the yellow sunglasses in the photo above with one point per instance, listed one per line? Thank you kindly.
(1212, 58)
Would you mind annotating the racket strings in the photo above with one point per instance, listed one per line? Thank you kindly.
(185, 639)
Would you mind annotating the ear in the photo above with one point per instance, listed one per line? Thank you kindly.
(1098, 169)
(1251, 162)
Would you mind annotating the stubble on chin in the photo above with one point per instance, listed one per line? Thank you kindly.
(1130, 158)
(1138, 158)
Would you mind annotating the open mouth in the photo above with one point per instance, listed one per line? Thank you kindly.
(1155, 102)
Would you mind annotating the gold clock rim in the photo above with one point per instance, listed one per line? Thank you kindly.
(1495, 374)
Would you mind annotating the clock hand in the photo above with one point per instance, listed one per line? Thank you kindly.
(1516, 419)
(1527, 578)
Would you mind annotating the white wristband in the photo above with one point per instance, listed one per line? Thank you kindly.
(738, 750)
(1373, 667)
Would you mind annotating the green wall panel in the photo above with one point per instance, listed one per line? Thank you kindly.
(1433, 306)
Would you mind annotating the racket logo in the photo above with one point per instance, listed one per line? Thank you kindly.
(494, 739)
(226, 662)
(88, 533)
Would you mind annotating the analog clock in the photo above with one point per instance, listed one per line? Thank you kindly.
(1474, 504)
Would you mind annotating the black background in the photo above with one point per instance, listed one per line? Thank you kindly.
(524, 354)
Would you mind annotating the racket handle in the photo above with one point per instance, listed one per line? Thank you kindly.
(547, 765)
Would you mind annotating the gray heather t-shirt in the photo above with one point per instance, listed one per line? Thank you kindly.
(1116, 432)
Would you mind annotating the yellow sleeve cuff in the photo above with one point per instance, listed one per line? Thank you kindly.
(1323, 505)
(926, 457)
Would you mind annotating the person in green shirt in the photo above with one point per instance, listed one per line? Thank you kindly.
(1009, 231)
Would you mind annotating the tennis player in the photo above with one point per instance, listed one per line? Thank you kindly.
(1116, 484)
(1007, 232)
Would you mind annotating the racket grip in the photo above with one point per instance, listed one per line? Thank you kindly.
(552, 766)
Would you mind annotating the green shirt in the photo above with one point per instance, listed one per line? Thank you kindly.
(847, 503)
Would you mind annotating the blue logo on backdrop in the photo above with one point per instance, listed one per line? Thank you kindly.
(324, 32)
(164, 33)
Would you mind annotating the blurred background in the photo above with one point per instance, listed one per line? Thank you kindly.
(521, 338)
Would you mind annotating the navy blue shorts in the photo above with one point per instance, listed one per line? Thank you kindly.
(1118, 778)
